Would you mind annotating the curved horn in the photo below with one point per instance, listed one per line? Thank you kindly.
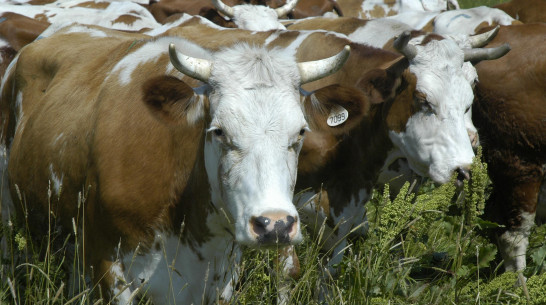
(193, 67)
(317, 69)
(486, 53)
(480, 40)
(223, 8)
(401, 44)
(287, 8)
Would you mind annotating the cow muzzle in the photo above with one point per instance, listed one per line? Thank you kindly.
(274, 228)
(462, 175)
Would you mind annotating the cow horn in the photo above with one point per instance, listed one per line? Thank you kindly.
(401, 43)
(317, 69)
(193, 67)
(287, 8)
(480, 40)
(486, 53)
(224, 8)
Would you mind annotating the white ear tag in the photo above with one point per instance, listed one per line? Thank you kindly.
(338, 115)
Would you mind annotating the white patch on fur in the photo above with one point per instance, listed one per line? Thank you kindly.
(514, 242)
(173, 273)
(367, 34)
(120, 282)
(466, 21)
(56, 180)
(256, 18)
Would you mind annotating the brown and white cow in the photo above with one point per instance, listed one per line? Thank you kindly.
(372, 9)
(510, 114)
(174, 177)
(116, 15)
(427, 121)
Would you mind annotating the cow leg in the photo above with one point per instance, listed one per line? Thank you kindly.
(515, 203)
(289, 265)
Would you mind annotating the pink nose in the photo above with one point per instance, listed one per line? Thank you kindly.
(274, 228)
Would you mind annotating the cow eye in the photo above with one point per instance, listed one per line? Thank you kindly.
(424, 105)
(218, 132)
(467, 109)
(302, 131)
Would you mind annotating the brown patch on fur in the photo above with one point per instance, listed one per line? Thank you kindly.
(429, 27)
(377, 12)
(19, 30)
(320, 149)
(168, 98)
(126, 19)
(430, 37)
(402, 108)
(93, 4)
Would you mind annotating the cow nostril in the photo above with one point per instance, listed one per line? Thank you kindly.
(289, 223)
(259, 225)
(462, 174)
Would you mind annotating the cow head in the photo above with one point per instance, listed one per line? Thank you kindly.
(433, 130)
(255, 125)
(256, 17)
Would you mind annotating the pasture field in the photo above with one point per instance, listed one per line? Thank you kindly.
(430, 247)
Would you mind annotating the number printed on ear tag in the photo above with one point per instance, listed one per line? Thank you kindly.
(338, 115)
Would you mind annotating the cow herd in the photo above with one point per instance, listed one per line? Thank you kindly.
(188, 126)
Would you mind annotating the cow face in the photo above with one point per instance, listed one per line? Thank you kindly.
(434, 138)
(256, 123)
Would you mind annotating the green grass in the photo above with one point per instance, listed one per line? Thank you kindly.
(473, 3)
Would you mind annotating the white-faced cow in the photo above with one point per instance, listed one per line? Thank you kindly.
(174, 177)
(425, 119)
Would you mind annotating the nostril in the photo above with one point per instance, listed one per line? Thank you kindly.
(259, 225)
(462, 174)
(289, 222)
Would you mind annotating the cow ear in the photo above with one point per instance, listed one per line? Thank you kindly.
(172, 101)
(335, 108)
(382, 84)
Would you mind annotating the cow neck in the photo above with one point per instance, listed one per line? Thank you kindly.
(193, 204)
(356, 162)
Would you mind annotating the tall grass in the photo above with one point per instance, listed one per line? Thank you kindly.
(421, 248)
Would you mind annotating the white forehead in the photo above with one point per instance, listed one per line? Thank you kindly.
(442, 73)
(256, 18)
(255, 87)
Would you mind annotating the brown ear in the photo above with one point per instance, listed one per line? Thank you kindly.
(382, 84)
(321, 103)
(171, 100)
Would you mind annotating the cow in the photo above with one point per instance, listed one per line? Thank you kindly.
(181, 153)
(116, 15)
(526, 11)
(510, 114)
(372, 9)
(434, 83)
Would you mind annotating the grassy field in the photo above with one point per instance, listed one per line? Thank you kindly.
(437, 253)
